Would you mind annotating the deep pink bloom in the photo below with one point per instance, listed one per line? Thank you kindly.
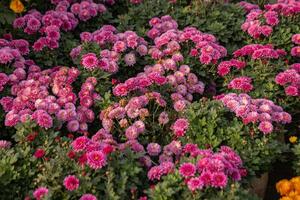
(39, 153)
(40, 192)
(291, 91)
(71, 183)
(296, 38)
(89, 61)
(195, 183)
(295, 51)
(187, 170)
(96, 159)
(88, 197)
(80, 143)
(219, 179)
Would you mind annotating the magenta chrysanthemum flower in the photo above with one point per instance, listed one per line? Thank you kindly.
(291, 91)
(71, 183)
(39, 153)
(80, 143)
(187, 170)
(206, 178)
(195, 183)
(296, 38)
(88, 197)
(40, 192)
(89, 61)
(295, 51)
(219, 179)
(96, 159)
(180, 126)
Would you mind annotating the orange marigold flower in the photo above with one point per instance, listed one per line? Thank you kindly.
(284, 187)
(16, 6)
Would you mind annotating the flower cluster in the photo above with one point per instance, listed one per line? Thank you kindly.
(211, 169)
(290, 77)
(259, 51)
(112, 46)
(248, 6)
(254, 26)
(225, 66)
(86, 10)
(289, 189)
(161, 25)
(285, 7)
(183, 82)
(135, 109)
(52, 22)
(242, 83)
(261, 22)
(168, 40)
(93, 152)
(12, 52)
(156, 172)
(256, 110)
(33, 100)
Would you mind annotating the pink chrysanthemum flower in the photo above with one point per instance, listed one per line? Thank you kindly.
(195, 183)
(296, 38)
(187, 170)
(219, 179)
(295, 51)
(153, 149)
(88, 197)
(80, 143)
(130, 59)
(4, 144)
(71, 183)
(40, 193)
(89, 61)
(96, 159)
(291, 91)
(266, 127)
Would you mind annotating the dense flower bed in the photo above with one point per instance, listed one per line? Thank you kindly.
(98, 103)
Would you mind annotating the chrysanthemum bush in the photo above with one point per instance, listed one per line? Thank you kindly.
(123, 110)
(43, 164)
(202, 172)
(212, 124)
